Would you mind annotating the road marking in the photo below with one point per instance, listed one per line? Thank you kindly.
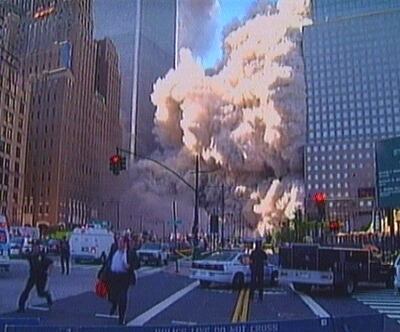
(245, 312)
(149, 314)
(238, 307)
(106, 316)
(32, 307)
(179, 322)
(384, 301)
(241, 312)
(314, 306)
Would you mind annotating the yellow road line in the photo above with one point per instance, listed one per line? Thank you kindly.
(245, 307)
(238, 307)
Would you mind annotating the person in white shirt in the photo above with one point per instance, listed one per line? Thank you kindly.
(120, 277)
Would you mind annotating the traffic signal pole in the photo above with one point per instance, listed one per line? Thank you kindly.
(174, 218)
(195, 189)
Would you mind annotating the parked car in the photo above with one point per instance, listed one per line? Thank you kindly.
(156, 253)
(16, 246)
(229, 267)
(397, 274)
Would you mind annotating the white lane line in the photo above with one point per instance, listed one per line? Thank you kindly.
(314, 306)
(149, 314)
(394, 316)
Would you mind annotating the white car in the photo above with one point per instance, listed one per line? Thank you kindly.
(229, 267)
(397, 273)
(156, 253)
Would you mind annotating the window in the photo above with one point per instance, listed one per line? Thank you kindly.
(19, 137)
(16, 183)
(8, 148)
(16, 167)
(18, 152)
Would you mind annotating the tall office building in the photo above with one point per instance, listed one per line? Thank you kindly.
(145, 37)
(14, 110)
(74, 112)
(155, 54)
(352, 57)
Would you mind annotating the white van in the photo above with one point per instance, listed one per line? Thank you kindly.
(88, 244)
(397, 274)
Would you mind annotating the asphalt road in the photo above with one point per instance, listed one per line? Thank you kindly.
(163, 297)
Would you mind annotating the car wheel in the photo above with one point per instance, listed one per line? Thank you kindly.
(204, 283)
(159, 261)
(165, 261)
(349, 286)
(238, 281)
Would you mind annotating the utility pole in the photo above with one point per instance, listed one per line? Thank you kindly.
(174, 218)
(223, 215)
(195, 230)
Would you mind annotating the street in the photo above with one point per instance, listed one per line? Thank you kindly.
(163, 297)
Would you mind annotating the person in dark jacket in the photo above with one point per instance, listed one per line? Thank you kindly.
(121, 265)
(64, 255)
(39, 267)
(257, 262)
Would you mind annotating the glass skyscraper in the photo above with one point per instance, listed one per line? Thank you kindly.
(352, 61)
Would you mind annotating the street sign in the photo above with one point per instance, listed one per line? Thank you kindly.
(388, 172)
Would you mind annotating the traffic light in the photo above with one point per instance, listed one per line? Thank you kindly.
(123, 163)
(116, 164)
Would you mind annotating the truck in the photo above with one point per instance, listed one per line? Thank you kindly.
(90, 244)
(307, 265)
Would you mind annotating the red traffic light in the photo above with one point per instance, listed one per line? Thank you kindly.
(319, 198)
(115, 159)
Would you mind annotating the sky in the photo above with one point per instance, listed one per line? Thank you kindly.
(229, 9)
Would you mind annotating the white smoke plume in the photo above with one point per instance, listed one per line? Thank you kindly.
(247, 121)
(197, 23)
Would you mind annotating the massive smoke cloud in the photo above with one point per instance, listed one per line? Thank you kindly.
(246, 120)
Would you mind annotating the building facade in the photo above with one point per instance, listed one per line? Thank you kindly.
(14, 110)
(74, 112)
(352, 57)
(155, 55)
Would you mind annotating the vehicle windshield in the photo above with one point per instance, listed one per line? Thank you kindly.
(223, 256)
(151, 246)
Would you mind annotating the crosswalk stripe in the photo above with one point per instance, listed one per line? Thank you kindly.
(383, 307)
(384, 301)
(388, 311)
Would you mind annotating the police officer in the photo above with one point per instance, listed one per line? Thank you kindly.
(64, 255)
(39, 266)
(257, 262)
